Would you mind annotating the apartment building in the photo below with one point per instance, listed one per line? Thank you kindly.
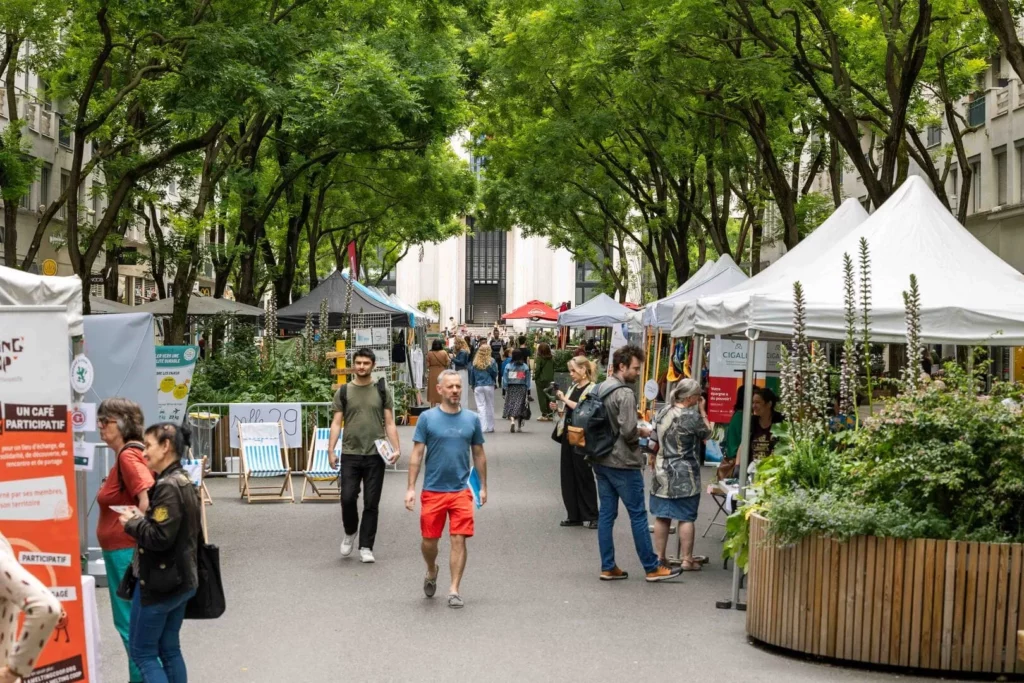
(50, 140)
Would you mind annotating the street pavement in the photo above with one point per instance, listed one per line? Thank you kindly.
(535, 609)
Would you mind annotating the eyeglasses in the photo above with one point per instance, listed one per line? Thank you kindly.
(103, 422)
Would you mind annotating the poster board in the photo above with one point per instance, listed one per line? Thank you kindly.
(727, 364)
(174, 368)
(38, 504)
(288, 414)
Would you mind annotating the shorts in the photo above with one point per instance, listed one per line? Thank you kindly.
(681, 509)
(436, 506)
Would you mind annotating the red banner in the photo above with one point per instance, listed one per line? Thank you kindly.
(38, 507)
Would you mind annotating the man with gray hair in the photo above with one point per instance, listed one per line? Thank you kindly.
(679, 430)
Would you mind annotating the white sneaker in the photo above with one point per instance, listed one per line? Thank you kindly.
(366, 556)
(346, 545)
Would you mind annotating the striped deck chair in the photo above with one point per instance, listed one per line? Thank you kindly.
(196, 470)
(325, 482)
(263, 456)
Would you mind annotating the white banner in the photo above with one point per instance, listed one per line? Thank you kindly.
(288, 414)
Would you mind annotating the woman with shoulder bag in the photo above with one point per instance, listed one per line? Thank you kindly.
(517, 388)
(165, 566)
(128, 483)
(579, 492)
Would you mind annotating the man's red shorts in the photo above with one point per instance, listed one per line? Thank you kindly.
(436, 506)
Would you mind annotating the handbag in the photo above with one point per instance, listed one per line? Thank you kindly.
(126, 589)
(575, 436)
(559, 431)
(208, 602)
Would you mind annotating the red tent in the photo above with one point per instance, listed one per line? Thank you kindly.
(532, 309)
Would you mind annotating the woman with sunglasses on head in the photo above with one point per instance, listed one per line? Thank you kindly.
(165, 565)
(120, 423)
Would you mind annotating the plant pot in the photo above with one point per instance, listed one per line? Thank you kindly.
(413, 419)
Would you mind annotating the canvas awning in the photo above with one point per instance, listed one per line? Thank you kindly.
(106, 306)
(968, 294)
(335, 289)
(201, 306)
(532, 310)
(714, 277)
(729, 309)
(18, 288)
(601, 311)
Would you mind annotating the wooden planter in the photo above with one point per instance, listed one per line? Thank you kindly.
(919, 603)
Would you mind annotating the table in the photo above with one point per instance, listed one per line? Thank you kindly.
(92, 628)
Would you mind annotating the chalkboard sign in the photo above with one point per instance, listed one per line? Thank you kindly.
(288, 414)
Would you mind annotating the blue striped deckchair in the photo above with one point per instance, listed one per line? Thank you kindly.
(325, 482)
(263, 456)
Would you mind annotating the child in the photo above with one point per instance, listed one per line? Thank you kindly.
(506, 359)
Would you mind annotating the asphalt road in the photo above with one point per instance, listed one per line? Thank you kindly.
(535, 610)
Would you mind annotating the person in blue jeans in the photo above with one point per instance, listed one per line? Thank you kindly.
(619, 475)
(165, 564)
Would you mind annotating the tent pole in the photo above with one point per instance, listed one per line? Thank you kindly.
(748, 395)
(698, 357)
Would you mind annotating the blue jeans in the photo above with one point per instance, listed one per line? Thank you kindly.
(153, 638)
(612, 484)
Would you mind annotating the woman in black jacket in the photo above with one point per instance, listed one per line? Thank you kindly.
(165, 562)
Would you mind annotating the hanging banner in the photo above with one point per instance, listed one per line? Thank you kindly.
(174, 368)
(727, 364)
(38, 513)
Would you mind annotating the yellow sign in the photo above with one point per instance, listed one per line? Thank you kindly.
(49, 267)
(1018, 364)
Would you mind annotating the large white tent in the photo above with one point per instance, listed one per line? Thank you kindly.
(968, 294)
(18, 288)
(712, 278)
(729, 310)
(601, 311)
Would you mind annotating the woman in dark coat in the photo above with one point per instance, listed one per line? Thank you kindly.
(579, 492)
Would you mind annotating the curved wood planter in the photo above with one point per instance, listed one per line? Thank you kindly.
(920, 603)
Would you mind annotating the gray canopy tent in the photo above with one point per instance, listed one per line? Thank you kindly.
(335, 290)
(201, 306)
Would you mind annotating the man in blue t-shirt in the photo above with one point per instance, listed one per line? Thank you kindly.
(446, 434)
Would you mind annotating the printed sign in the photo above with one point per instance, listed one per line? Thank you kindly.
(174, 368)
(288, 414)
(84, 456)
(380, 336)
(38, 509)
(83, 417)
(82, 374)
(364, 336)
(726, 368)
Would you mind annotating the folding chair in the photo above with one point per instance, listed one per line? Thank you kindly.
(263, 456)
(196, 469)
(318, 468)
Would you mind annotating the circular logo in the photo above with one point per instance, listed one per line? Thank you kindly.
(82, 374)
(49, 267)
(77, 418)
(190, 354)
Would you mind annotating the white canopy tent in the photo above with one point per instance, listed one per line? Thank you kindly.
(968, 294)
(18, 288)
(601, 311)
(730, 309)
(712, 278)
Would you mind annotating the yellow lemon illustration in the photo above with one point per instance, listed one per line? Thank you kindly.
(181, 391)
(167, 384)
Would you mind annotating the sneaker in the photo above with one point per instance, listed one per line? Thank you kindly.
(663, 573)
(614, 574)
(430, 584)
(455, 601)
(513, 430)
(346, 545)
(366, 556)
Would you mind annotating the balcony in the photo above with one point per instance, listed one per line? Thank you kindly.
(976, 111)
(1002, 101)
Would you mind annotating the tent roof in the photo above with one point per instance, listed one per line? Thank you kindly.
(101, 306)
(18, 288)
(335, 290)
(712, 278)
(728, 309)
(601, 311)
(200, 305)
(532, 309)
(968, 294)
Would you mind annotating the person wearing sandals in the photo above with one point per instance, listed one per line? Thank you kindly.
(517, 390)
(579, 493)
(447, 435)
(679, 430)
(544, 374)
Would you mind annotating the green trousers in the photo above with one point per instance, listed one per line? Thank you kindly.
(543, 398)
(117, 563)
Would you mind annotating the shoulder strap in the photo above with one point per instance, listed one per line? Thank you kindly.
(382, 389)
(343, 398)
(129, 444)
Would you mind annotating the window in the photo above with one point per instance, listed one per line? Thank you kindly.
(1002, 181)
(588, 282)
(65, 180)
(44, 185)
(96, 203)
(934, 135)
(26, 199)
(954, 176)
(975, 186)
(976, 110)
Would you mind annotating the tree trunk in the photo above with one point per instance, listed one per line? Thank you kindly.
(1003, 23)
(11, 48)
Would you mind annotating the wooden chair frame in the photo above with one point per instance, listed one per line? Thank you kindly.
(329, 488)
(271, 493)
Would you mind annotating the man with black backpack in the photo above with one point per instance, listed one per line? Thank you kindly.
(368, 413)
(608, 419)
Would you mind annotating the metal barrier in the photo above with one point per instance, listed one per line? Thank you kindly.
(212, 425)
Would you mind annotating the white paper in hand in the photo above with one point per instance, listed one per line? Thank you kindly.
(385, 450)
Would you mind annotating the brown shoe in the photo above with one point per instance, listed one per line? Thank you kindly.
(663, 573)
(614, 574)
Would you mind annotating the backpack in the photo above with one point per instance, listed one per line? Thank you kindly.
(382, 389)
(592, 421)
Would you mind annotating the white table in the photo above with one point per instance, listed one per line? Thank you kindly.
(92, 628)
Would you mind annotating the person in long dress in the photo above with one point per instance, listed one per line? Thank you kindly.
(482, 376)
(517, 390)
(438, 361)
(579, 492)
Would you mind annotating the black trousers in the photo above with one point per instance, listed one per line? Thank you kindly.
(366, 471)
(579, 491)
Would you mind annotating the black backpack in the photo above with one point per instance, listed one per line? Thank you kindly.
(382, 389)
(591, 415)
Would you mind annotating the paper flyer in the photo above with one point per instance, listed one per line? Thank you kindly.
(174, 368)
(38, 504)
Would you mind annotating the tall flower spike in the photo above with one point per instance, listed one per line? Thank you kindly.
(848, 365)
(912, 306)
(865, 303)
(803, 376)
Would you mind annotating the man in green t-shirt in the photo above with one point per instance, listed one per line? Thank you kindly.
(367, 410)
